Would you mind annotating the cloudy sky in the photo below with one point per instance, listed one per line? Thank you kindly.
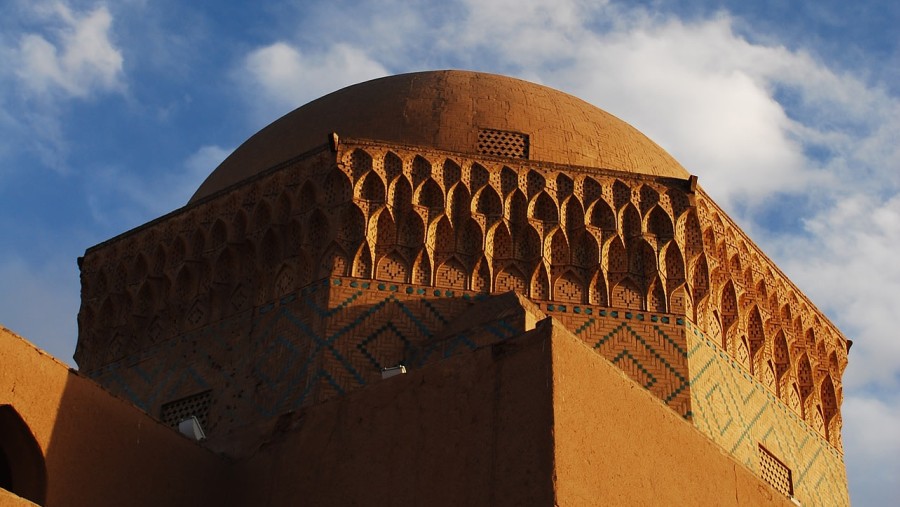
(111, 114)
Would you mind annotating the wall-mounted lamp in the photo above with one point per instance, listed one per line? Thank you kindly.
(190, 427)
(393, 371)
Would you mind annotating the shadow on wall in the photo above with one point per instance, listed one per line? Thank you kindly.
(66, 441)
(22, 469)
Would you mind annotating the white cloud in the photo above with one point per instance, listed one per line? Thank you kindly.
(282, 77)
(202, 162)
(698, 88)
(872, 444)
(74, 59)
(52, 54)
(848, 265)
(693, 88)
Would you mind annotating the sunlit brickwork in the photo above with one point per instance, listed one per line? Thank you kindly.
(303, 281)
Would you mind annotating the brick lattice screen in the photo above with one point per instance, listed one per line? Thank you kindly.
(502, 143)
(196, 405)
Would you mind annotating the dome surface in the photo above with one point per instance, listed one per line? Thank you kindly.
(447, 110)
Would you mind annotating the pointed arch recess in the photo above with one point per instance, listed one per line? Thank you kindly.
(598, 294)
(392, 268)
(516, 208)
(631, 222)
(429, 195)
(393, 165)
(559, 249)
(602, 216)
(451, 274)
(487, 202)
(544, 209)
(659, 224)
(470, 241)
(372, 188)
(460, 204)
(401, 194)
(569, 288)
(626, 294)
(656, 296)
(782, 362)
(510, 278)
(757, 338)
(573, 215)
(499, 244)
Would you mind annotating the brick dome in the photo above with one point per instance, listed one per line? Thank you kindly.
(459, 111)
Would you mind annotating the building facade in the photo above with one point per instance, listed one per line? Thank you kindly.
(418, 219)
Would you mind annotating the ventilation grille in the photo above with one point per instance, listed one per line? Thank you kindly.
(501, 143)
(776, 473)
(196, 405)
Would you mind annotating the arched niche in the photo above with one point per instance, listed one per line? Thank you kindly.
(22, 469)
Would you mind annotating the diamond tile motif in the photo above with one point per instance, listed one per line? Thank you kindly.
(738, 412)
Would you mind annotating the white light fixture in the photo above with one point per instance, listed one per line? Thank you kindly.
(191, 428)
(393, 371)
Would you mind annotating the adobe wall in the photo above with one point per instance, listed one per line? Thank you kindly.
(475, 429)
(100, 450)
(740, 413)
(529, 421)
(8, 499)
(617, 444)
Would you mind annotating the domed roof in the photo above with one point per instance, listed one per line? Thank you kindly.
(447, 110)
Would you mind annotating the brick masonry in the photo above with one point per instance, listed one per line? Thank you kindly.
(302, 282)
(740, 413)
(336, 335)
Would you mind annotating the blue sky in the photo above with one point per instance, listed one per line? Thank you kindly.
(111, 114)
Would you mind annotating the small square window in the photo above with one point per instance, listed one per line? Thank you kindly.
(196, 405)
(776, 473)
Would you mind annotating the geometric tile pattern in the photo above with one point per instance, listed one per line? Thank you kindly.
(744, 417)
(306, 347)
(650, 348)
(336, 335)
